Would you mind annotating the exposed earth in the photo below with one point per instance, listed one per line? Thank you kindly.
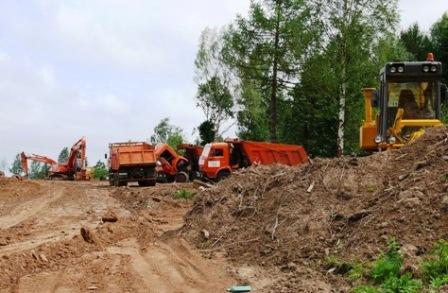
(270, 227)
(136, 249)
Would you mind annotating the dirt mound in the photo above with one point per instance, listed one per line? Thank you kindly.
(349, 207)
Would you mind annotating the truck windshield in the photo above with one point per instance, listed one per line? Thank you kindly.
(206, 150)
(417, 99)
(204, 154)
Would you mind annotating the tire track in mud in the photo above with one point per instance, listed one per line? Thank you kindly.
(29, 209)
(47, 254)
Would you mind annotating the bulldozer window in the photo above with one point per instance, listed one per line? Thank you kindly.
(417, 99)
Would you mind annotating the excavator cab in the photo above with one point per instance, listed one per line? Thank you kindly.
(408, 100)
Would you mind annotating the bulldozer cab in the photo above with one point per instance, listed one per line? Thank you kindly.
(407, 101)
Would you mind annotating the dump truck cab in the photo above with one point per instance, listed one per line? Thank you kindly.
(192, 153)
(170, 165)
(214, 160)
(408, 100)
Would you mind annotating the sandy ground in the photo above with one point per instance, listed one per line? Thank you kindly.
(41, 248)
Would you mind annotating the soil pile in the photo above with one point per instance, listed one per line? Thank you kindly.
(291, 218)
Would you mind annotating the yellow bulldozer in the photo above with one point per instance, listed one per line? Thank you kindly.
(408, 100)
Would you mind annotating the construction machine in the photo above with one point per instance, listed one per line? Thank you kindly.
(171, 166)
(408, 100)
(219, 159)
(192, 153)
(73, 169)
(130, 162)
(46, 160)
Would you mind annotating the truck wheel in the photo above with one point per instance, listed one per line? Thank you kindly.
(181, 177)
(143, 183)
(116, 180)
(222, 175)
(122, 183)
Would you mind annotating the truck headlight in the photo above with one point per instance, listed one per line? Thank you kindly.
(393, 69)
(433, 68)
(425, 68)
(400, 69)
(377, 139)
(392, 140)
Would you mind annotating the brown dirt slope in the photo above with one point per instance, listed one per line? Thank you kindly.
(291, 218)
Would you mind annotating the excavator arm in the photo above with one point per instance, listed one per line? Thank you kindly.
(78, 148)
(38, 158)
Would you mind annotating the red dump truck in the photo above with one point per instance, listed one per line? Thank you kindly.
(171, 167)
(192, 153)
(219, 159)
(132, 162)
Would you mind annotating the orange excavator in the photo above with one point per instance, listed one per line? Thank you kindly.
(73, 169)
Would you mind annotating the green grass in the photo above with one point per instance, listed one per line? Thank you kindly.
(435, 267)
(385, 274)
(184, 194)
(388, 264)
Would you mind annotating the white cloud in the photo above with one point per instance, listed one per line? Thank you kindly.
(46, 74)
(425, 13)
(3, 56)
(104, 36)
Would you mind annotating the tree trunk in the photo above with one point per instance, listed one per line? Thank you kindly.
(274, 81)
(342, 85)
(341, 116)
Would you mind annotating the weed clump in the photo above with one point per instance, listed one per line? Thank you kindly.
(184, 194)
(435, 268)
(386, 274)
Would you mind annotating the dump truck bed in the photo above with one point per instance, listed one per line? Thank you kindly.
(265, 153)
(131, 154)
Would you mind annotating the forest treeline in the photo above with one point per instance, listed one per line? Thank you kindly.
(292, 70)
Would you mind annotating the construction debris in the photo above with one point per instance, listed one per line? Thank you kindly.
(273, 206)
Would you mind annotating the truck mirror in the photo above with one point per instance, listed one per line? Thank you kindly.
(375, 100)
(105, 156)
(444, 93)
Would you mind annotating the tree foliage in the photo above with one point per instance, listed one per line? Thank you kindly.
(16, 167)
(206, 132)
(214, 79)
(298, 67)
(100, 171)
(266, 50)
(38, 170)
(63, 155)
(165, 132)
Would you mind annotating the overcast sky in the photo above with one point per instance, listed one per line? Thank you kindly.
(111, 69)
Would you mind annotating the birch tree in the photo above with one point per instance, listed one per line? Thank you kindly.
(352, 28)
(214, 79)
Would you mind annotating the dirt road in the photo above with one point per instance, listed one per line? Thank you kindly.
(42, 250)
